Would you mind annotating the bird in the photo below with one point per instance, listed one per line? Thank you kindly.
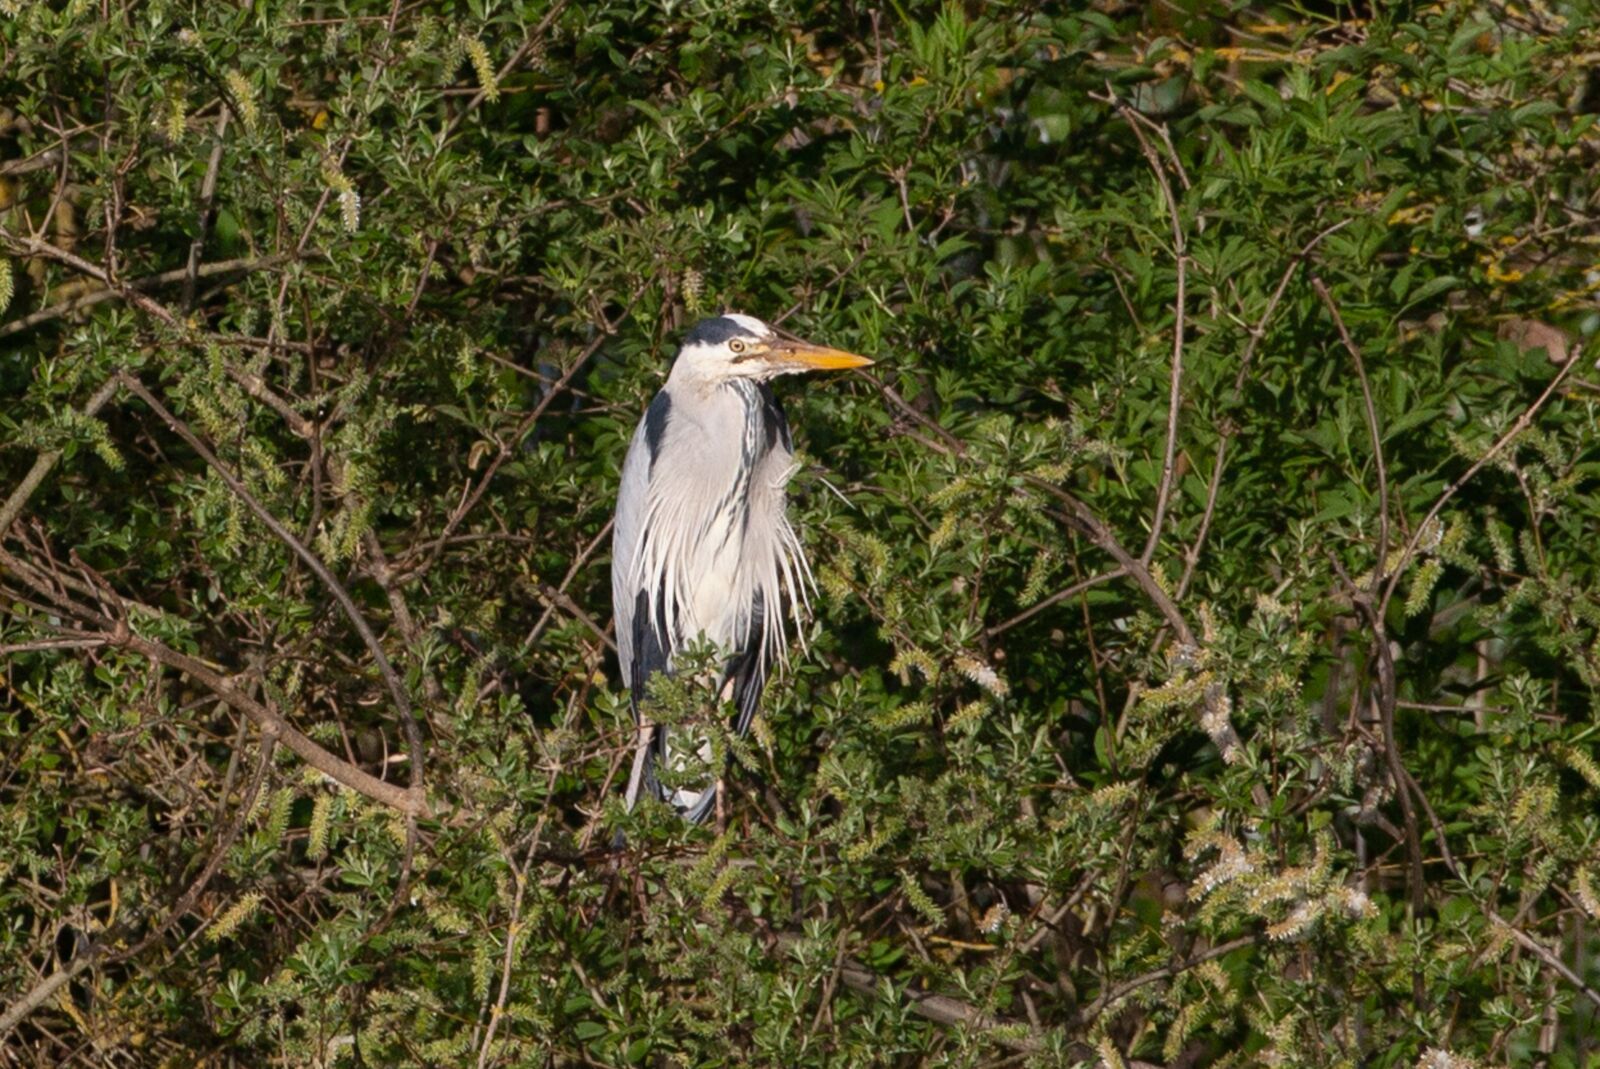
(702, 546)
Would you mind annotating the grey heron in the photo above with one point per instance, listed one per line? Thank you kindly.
(703, 548)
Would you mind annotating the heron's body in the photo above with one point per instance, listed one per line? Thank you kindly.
(703, 548)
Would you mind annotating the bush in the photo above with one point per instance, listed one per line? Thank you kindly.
(1205, 660)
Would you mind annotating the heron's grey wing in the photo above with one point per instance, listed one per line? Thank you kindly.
(643, 644)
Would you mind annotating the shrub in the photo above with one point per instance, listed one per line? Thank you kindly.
(1204, 664)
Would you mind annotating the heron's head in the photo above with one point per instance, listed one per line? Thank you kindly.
(742, 347)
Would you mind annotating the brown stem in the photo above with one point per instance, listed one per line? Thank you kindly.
(250, 383)
(116, 632)
(1372, 430)
(208, 192)
(534, 38)
(1166, 972)
(1081, 518)
(1215, 716)
(1054, 599)
(408, 801)
(87, 300)
(100, 950)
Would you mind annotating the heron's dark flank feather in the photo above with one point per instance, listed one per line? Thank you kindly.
(776, 423)
(748, 669)
(652, 644)
(655, 425)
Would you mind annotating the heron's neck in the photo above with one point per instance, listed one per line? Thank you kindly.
(716, 390)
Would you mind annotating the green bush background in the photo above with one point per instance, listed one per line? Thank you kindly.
(1270, 741)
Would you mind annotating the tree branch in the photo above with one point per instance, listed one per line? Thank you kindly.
(1228, 430)
(1215, 717)
(117, 633)
(1166, 972)
(208, 192)
(608, 327)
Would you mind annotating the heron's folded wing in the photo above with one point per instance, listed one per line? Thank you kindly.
(626, 532)
(748, 668)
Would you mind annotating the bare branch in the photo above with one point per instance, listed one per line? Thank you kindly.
(101, 950)
(1054, 599)
(117, 632)
(1180, 252)
(208, 192)
(534, 38)
(116, 293)
(1215, 716)
(1228, 431)
(1372, 430)
(608, 327)
(1166, 972)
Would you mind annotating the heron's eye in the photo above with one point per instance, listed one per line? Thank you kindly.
(736, 345)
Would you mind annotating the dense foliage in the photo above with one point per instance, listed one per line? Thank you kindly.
(1203, 668)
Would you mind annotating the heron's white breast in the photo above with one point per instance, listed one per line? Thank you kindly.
(716, 558)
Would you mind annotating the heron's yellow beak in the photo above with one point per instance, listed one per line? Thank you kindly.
(803, 356)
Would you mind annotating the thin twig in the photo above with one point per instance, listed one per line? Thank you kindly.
(838, 276)
(607, 328)
(42, 992)
(94, 297)
(572, 570)
(101, 949)
(1505, 439)
(44, 644)
(116, 632)
(251, 384)
(514, 930)
(1166, 972)
(1372, 430)
(941, 1009)
(1215, 718)
(1054, 599)
(208, 192)
(406, 801)
(1180, 252)
(534, 38)
(1081, 518)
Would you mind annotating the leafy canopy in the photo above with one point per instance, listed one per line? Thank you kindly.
(1205, 658)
